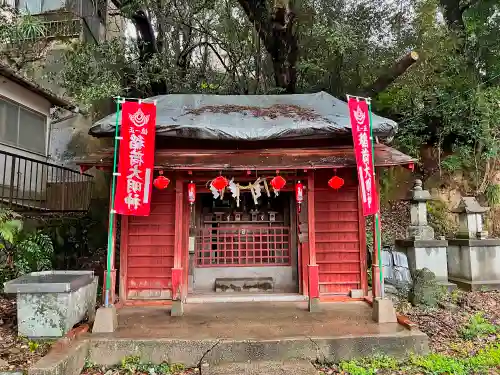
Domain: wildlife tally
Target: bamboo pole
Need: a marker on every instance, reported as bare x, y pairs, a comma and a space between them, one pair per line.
111, 246
376, 218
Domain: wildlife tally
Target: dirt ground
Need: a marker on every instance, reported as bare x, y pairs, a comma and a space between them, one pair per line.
443, 325
16, 353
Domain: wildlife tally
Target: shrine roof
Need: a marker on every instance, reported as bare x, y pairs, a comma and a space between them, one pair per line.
250, 117
268, 159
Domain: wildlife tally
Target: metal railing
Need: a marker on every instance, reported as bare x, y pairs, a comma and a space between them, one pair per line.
243, 246
28, 184
71, 28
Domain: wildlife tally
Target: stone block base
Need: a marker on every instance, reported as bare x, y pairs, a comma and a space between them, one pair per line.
383, 311
357, 293
106, 320
177, 308
450, 287
244, 284
314, 305
478, 285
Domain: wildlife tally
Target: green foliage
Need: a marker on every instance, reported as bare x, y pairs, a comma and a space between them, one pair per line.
21, 251
492, 194
33, 346
478, 326
483, 362
78, 240
22, 37
34, 252
17, 29
133, 365
439, 364
439, 219
485, 359
449, 99
369, 366
105, 70
10, 226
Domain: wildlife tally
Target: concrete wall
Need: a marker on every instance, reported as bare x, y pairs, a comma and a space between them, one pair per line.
204, 278
430, 254
474, 264
459, 265
432, 258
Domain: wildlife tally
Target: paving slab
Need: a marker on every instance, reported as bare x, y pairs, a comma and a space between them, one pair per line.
251, 320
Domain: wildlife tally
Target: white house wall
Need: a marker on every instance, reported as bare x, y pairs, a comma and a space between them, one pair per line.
30, 177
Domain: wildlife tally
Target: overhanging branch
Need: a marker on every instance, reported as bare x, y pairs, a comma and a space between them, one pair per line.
391, 74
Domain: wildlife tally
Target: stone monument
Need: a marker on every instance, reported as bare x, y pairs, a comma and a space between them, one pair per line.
420, 246
473, 259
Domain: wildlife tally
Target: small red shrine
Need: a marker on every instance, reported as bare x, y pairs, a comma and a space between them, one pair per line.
253, 196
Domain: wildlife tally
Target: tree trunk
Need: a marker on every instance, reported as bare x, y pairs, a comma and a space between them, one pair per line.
277, 32
453, 14
391, 74
146, 41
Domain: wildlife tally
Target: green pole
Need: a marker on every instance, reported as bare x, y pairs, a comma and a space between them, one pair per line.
112, 208
377, 234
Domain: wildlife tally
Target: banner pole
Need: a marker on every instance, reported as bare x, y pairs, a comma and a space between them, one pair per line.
376, 217
112, 208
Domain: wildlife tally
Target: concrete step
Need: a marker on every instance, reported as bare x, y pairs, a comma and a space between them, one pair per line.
108, 350
298, 367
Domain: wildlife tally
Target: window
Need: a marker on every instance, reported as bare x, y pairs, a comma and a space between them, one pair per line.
40, 6
22, 128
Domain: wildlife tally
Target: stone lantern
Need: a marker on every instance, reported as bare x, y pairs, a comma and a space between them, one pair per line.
420, 246
419, 228
473, 259
470, 218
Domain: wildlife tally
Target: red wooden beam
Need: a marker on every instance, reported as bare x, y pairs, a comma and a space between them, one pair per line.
313, 268
123, 258
178, 244
185, 248
362, 245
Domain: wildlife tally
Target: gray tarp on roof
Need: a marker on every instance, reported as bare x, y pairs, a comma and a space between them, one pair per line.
250, 117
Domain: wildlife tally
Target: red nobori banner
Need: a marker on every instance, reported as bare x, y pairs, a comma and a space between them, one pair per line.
360, 124
136, 159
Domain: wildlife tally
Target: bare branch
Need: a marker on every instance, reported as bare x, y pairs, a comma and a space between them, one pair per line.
188, 51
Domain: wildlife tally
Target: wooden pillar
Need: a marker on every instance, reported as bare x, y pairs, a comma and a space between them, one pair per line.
362, 245
112, 291
179, 242
313, 269
303, 242
123, 258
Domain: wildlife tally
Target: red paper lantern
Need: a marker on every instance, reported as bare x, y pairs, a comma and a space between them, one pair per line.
299, 194
220, 183
278, 183
191, 193
336, 182
161, 182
